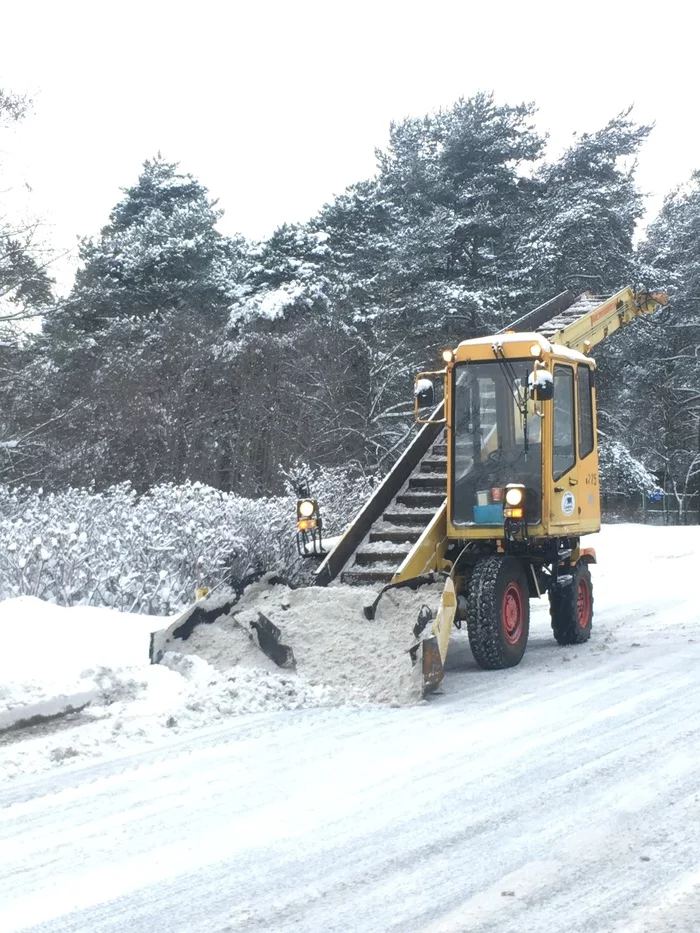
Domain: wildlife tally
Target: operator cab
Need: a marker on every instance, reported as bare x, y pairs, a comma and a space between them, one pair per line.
497, 441
520, 422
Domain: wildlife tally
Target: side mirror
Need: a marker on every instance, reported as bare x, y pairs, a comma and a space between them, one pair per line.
540, 384
424, 393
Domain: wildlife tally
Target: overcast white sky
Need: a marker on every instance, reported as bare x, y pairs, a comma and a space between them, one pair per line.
275, 106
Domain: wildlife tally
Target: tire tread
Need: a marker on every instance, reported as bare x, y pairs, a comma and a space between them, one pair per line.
483, 616
563, 610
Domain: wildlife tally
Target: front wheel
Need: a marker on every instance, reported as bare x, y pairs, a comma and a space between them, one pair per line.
498, 612
571, 608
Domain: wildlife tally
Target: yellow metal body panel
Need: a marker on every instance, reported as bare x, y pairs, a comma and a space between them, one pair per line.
433, 649
571, 503
588, 509
442, 626
618, 311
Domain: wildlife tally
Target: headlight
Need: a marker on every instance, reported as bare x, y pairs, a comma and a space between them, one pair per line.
306, 508
514, 495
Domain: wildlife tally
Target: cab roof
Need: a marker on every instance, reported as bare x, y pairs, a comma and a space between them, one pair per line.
555, 349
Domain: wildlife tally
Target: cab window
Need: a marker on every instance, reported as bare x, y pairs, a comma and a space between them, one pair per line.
585, 411
564, 454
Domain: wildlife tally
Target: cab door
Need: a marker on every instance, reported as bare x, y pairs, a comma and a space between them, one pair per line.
563, 482
589, 490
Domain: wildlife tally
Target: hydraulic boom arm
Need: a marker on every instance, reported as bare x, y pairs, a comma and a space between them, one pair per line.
603, 317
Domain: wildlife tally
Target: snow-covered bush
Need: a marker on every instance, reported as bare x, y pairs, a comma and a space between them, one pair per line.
147, 553
136, 553
620, 471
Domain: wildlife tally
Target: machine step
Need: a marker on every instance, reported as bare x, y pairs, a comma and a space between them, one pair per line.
428, 481
409, 517
434, 465
395, 534
366, 576
377, 555
422, 500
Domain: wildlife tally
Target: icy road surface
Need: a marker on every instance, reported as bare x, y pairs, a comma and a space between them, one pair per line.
562, 796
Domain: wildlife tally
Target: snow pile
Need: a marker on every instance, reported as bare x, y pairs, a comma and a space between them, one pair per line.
25, 702
150, 705
39, 637
76, 683
132, 706
334, 645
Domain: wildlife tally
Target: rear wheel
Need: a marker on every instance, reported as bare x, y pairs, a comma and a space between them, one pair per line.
571, 608
498, 612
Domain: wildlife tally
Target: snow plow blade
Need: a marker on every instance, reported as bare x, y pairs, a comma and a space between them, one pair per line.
213, 608
428, 654
428, 657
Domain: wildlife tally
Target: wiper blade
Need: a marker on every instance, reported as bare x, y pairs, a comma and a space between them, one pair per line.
512, 380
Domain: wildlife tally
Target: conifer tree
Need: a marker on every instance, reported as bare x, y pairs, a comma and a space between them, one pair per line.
458, 179
652, 373
160, 252
588, 206
25, 286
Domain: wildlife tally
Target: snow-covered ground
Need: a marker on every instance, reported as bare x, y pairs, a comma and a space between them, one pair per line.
56, 659
558, 796
77, 684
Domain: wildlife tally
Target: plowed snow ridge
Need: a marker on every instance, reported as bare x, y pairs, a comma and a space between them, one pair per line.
334, 645
60, 661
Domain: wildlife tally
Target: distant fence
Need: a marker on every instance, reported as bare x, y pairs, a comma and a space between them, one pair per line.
636, 507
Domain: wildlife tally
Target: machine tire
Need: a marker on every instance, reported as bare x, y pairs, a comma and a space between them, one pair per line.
498, 612
571, 608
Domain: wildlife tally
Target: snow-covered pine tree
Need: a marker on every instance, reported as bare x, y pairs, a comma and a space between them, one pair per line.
458, 180
581, 235
160, 252
288, 274
655, 365
133, 353
25, 286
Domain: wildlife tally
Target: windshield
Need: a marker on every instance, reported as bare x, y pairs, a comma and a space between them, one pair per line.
497, 440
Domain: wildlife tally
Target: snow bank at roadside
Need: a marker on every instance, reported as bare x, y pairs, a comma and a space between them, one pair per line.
40, 638
94, 661
52, 657
26, 702
219, 673
134, 707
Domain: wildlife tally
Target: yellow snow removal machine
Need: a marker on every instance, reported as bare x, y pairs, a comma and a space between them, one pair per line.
498, 487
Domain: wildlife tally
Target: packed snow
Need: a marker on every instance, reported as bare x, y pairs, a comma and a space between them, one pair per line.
56, 660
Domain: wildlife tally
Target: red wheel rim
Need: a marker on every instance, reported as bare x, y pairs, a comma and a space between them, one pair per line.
583, 604
512, 613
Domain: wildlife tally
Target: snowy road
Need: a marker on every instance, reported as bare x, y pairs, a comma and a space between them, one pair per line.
560, 796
